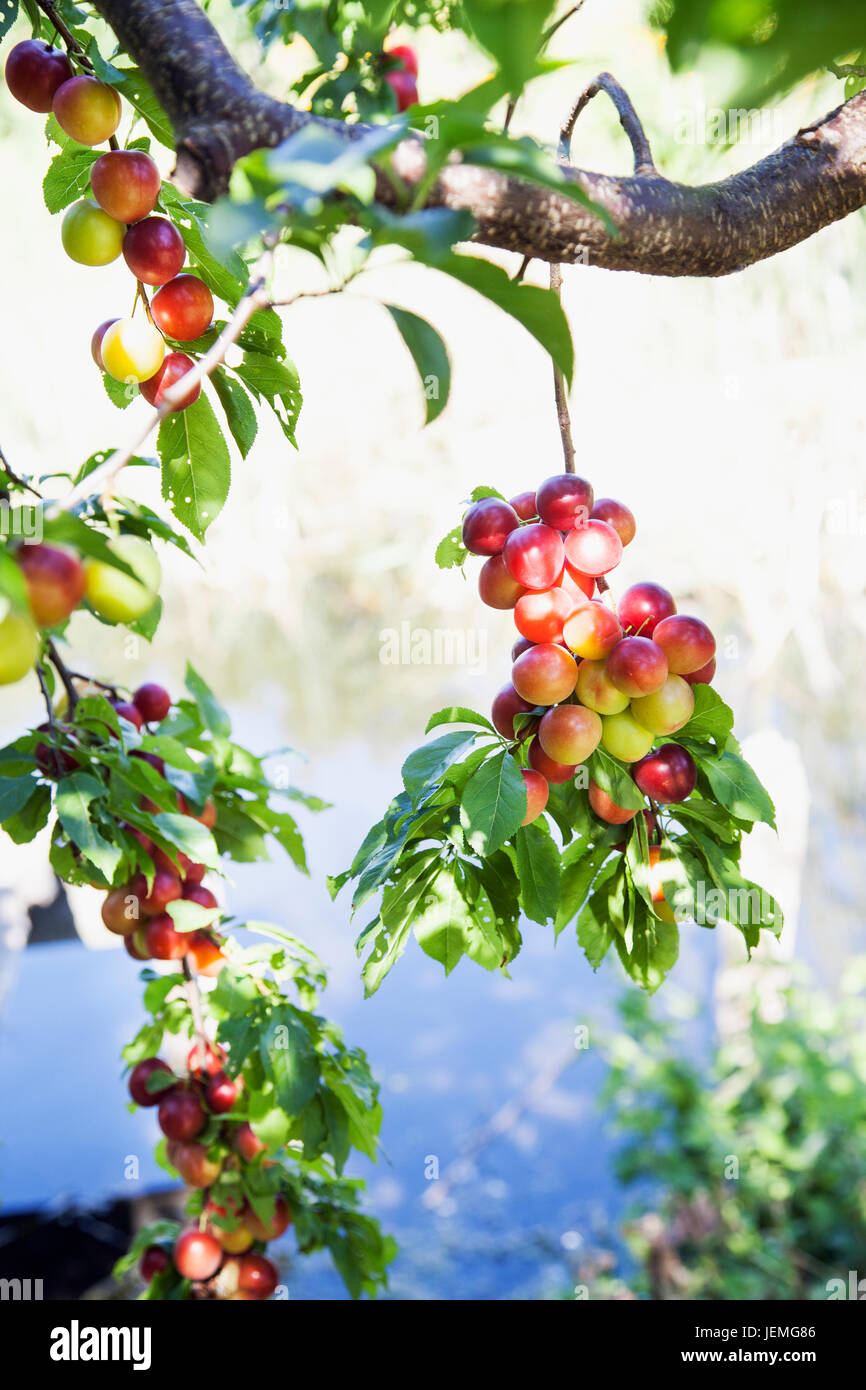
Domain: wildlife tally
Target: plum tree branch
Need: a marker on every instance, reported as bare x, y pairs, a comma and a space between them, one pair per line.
663, 227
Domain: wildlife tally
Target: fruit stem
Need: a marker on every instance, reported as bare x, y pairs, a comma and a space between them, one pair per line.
61, 28
559, 391
193, 997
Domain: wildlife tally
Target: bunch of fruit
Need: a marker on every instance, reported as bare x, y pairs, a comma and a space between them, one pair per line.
402, 75
223, 1254
586, 672
117, 220
137, 910
57, 580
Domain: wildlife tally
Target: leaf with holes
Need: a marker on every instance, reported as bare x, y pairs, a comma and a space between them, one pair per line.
196, 470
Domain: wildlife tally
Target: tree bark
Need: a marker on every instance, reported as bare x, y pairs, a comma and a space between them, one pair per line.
663, 228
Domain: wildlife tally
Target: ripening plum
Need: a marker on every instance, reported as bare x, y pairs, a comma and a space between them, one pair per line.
550, 769
540, 616
132, 350
643, 606
545, 674
667, 709
183, 308
687, 643
181, 1115
126, 184
617, 515
55, 581
592, 631
505, 706
569, 733
524, 505
534, 556
87, 109
668, 774
625, 738
537, 792
606, 808
197, 1255
154, 250
593, 547
703, 676
563, 501
174, 366
138, 1077
117, 596
487, 525
636, 666
496, 588
89, 235
34, 71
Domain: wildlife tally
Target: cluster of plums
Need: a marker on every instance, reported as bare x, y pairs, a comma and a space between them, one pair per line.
220, 1250
136, 911
585, 673
402, 75
117, 220
57, 580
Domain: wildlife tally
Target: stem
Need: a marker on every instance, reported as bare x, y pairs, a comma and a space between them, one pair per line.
64, 674
559, 391
14, 478
193, 996
628, 119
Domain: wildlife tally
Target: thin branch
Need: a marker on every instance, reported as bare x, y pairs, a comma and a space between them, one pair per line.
559, 389
193, 998
65, 675
545, 40
14, 478
644, 164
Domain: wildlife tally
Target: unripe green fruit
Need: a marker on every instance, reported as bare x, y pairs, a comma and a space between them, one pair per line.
19, 646
625, 738
116, 596
89, 235
132, 349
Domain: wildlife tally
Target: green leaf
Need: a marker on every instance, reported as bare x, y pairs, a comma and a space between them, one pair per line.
614, 778
655, 947
511, 31
289, 1058
538, 868
443, 920
493, 804
457, 714
74, 797
196, 470
581, 865
68, 176
131, 85
710, 719
736, 786
213, 716
239, 410
8, 16
601, 919
430, 356
275, 382
425, 766
451, 553
539, 310
15, 792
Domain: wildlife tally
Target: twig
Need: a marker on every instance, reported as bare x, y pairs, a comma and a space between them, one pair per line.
628, 119
561, 395
14, 478
193, 998
103, 685
66, 677
545, 40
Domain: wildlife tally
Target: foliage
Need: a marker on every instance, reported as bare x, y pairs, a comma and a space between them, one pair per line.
756, 1157
777, 42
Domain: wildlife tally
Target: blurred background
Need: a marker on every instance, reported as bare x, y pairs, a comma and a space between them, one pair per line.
729, 415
